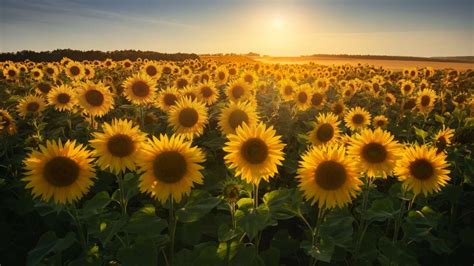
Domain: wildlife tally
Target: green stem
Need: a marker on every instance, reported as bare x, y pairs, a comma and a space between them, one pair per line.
315, 231
172, 231
363, 226
123, 200
255, 195
399, 218
80, 230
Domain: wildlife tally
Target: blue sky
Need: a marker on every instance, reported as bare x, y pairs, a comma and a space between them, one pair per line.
276, 27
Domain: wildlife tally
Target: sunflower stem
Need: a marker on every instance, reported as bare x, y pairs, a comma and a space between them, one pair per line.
80, 230
399, 218
172, 229
255, 194
363, 226
142, 117
123, 200
315, 232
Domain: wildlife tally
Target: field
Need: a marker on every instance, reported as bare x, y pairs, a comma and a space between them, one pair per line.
393, 64
231, 160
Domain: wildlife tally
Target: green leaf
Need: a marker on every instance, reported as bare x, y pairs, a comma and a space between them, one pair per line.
394, 254
322, 251
381, 210
145, 223
421, 133
225, 233
247, 256
96, 205
199, 204
227, 250
337, 228
253, 221
282, 203
49, 243
141, 253
439, 119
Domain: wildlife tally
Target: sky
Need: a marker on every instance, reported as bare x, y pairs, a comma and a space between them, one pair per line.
271, 27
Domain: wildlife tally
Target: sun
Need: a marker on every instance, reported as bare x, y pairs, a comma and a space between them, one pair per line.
278, 23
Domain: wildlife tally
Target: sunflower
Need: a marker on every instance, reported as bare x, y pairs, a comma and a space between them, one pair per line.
207, 92
51, 70
357, 118
63, 172
188, 117
389, 98
318, 99
62, 98
235, 114
302, 97
254, 152
75, 70
36, 74
442, 139
89, 72
6, 122
380, 121
31, 104
327, 176
287, 89
238, 90
167, 98
166, 69
422, 169
190, 93
117, 147
326, 130
221, 75
426, 99
139, 89
43, 88
95, 98
170, 167
181, 83
375, 152
127, 64
407, 87
250, 77
338, 108
151, 70
11, 73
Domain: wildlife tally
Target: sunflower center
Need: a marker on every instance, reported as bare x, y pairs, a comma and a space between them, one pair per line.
181, 83
388, 99
87, 71
358, 119
94, 97
421, 169
11, 72
237, 117
338, 109
188, 117
75, 70
206, 92
330, 175
170, 99
63, 98
33, 107
254, 151
151, 71
36, 73
441, 144
248, 78
425, 100
121, 145
61, 171
232, 71
409, 104
374, 153
376, 87
169, 167
166, 70
407, 88
44, 87
302, 97
237, 92
288, 90
380, 123
221, 75
140, 88
325, 132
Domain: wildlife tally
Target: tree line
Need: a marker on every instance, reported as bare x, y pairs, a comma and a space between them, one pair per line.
57, 55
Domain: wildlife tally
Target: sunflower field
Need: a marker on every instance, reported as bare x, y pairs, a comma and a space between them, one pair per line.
199, 162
